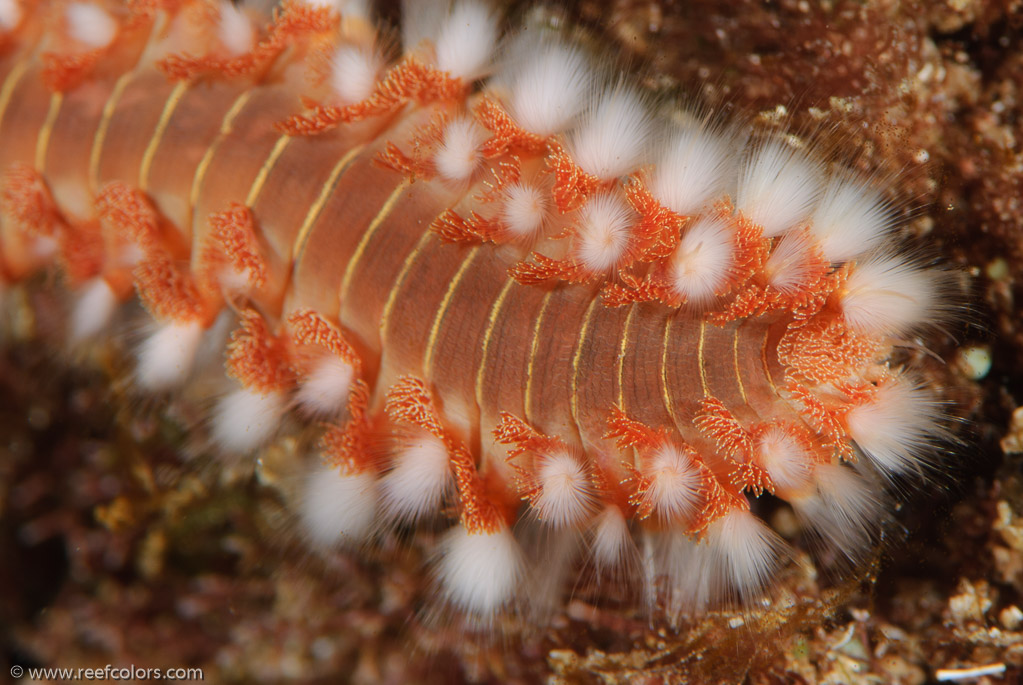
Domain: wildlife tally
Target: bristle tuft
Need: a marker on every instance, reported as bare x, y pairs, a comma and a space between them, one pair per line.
467, 40
324, 390
458, 156
93, 310
612, 546
842, 510
90, 24
747, 553
524, 210
612, 136
784, 457
10, 14
850, 220
778, 187
479, 572
565, 497
701, 265
887, 295
696, 168
246, 419
337, 509
166, 357
897, 426
550, 86
672, 485
354, 73
604, 231
235, 29
419, 480
792, 264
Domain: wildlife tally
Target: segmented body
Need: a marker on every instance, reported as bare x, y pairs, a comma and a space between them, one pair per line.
597, 393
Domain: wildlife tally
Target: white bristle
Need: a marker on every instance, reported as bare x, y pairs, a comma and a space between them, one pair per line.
675, 482
361, 9
235, 30
887, 295
419, 480
612, 136
166, 357
778, 187
93, 310
733, 561
684, 569
897, 427
696, 169
550, 87
348, 8
524, 210
235, 281
604, 231
791, 262
329, 4
458, 155
337, 509
612, 546
746, 552
210, 354
10, 14
421, 20
43, 247
128, 255
90, 24
324, 390
551, 558
842, 509
786, 461
467, 39
566, 497
245, 419
702, 263
850, 220
354, 73
479, 572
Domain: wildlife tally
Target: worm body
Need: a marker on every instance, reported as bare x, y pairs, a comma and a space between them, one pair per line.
504, 284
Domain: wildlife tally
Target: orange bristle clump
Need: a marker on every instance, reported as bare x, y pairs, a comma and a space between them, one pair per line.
130, 215
63, 72
409, 403
409, 81
256, 358
295, 23
309, 328
232, 244
168, 291
347, 446
26, 202
508, 137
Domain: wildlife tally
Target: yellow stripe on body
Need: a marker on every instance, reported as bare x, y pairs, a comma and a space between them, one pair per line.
321, 200
442, 309
46, 131
488, 333
161, 127
360, 249
534, 346
573, 400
